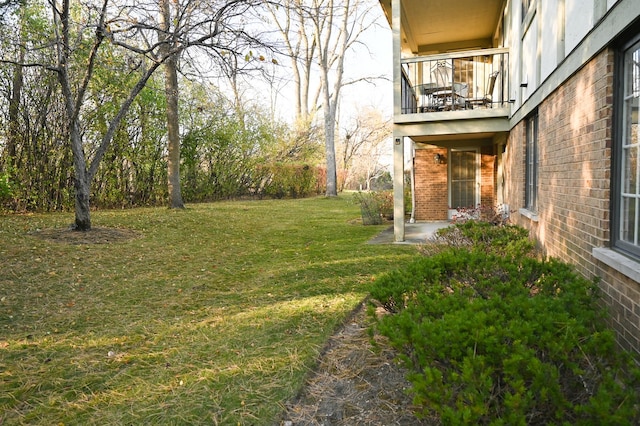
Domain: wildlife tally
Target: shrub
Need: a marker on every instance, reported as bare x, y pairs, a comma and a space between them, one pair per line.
374, 205
496, 215
504, 240
6, 191
385, 198
289, 180
5, 186
494, 339
371, 205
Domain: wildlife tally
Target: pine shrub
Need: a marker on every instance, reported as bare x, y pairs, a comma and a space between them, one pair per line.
494, 335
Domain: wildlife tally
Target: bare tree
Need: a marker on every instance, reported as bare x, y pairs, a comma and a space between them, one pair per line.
80, 33
362, 148
317, 35
297, 31
20, 23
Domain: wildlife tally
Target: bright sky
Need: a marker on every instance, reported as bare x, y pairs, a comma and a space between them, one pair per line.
370, 58
373, 59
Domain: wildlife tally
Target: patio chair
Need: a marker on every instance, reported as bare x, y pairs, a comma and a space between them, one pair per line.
447, 94
486, 99
442, 73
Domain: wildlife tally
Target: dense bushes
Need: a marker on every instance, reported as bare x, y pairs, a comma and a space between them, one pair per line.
226, 152
291, 180
494, 335
5, 188
374, 205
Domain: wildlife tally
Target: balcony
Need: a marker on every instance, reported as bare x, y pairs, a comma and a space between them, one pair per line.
461, 81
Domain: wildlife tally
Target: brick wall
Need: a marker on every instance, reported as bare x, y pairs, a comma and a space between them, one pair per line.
431, 185
432, 197
574, 142
487, 177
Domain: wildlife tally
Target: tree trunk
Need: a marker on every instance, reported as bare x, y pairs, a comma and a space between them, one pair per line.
14, 110
83, 215
173, 123
81, 181
173, 126
330, 150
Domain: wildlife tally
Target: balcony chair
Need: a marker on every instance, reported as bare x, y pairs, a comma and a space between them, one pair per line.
446, 94
486, 99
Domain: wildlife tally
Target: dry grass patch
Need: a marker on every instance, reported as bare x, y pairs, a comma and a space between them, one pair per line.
212, 315
96, 235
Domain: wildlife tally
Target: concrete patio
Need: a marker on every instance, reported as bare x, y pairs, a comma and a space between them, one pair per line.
414, 233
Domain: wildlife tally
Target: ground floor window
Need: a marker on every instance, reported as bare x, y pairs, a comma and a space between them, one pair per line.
627, 216
531, 164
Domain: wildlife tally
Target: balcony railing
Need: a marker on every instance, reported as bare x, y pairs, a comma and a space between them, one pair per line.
459, 81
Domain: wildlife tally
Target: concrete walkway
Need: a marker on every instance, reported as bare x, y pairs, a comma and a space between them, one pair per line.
414, 233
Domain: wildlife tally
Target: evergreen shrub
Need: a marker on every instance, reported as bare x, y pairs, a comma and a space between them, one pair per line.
503, 240
494, 335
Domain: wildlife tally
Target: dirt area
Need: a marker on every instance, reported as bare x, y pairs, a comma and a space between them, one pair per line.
94, 236
355, 383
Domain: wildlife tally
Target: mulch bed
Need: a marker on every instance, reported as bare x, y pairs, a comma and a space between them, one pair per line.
355, 383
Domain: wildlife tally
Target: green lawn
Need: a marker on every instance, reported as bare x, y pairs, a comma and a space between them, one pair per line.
213, 315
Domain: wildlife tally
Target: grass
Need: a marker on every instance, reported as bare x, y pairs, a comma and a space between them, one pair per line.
213, 315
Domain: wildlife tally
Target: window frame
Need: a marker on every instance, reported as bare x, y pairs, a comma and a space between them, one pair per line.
619, 157
531, 169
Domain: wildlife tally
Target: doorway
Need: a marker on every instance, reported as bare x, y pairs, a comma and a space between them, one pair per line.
464, 180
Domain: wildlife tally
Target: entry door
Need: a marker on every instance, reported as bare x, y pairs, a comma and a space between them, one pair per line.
464, 179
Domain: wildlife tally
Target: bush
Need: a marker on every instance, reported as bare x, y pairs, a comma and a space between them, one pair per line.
495, 215
374, 205
5, 186
369, 207
506, 339
6, 191
290, 180
504, 240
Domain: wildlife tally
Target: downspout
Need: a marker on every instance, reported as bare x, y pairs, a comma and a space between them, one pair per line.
413, 185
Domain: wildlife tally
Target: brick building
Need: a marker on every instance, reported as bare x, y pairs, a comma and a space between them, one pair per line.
532, 106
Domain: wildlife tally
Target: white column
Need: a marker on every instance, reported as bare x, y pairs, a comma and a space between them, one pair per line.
398, 141
398, 188
396, 12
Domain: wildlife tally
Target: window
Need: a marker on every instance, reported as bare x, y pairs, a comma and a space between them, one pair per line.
627, 227
531, 164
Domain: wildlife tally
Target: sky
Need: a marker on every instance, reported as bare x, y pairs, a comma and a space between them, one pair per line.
371, 57
375, 59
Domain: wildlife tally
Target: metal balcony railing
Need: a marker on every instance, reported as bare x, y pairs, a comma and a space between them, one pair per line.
457, 81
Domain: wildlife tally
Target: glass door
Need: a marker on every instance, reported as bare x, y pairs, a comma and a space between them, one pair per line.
464, 181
